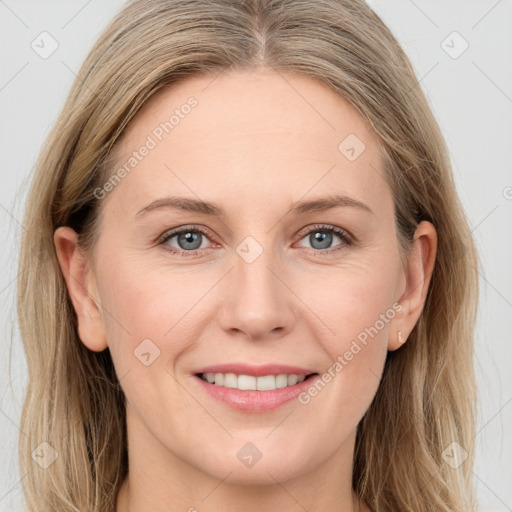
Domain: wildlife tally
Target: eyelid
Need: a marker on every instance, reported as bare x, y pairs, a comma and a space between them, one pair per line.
186, 227
326, 227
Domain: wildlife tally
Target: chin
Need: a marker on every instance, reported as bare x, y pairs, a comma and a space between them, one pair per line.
260, 462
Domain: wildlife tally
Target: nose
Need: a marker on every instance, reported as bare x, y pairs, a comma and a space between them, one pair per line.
256, 301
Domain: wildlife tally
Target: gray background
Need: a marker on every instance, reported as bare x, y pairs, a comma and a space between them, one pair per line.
471, 96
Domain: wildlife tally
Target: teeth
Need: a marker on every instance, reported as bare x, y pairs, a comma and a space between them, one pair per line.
250, 382
266, 383
230, 380
246, 382
281, 381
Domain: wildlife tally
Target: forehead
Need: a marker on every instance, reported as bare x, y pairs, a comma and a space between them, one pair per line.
240, 136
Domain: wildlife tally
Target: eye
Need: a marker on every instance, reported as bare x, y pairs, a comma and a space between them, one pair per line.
321, 237
188, 238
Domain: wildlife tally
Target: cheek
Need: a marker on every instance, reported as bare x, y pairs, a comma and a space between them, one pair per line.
149, 312
148, 300
355, 302
358, 310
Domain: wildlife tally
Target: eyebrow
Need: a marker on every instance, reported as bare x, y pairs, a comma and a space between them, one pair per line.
208, 208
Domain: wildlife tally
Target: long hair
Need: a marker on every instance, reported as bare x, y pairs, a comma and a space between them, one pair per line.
426, 398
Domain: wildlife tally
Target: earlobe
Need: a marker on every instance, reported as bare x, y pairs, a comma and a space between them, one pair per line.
396, 338
81, 288
418, 273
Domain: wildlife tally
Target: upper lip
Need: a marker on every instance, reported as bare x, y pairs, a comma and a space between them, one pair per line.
255, 370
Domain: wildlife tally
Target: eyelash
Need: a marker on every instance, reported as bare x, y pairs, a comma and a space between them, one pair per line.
345, 237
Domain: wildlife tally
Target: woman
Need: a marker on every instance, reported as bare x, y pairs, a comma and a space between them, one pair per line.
256, 286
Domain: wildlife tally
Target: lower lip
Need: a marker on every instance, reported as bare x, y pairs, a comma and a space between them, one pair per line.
253, 400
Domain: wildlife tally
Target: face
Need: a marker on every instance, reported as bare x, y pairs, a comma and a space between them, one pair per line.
256, 288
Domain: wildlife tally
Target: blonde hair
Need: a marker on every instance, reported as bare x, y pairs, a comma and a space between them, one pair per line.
426, 399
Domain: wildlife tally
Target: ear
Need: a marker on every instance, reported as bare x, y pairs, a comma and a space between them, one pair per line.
82, 289
418, 271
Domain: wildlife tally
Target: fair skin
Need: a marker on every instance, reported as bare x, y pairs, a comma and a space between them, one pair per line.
253, 146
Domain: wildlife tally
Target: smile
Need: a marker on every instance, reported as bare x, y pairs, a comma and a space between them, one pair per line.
251, 382
249, 388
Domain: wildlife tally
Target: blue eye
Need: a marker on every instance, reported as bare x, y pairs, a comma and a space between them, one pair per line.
190, 240
322, 236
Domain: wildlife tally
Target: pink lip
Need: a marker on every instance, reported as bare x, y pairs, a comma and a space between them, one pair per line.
254, 400
256, 371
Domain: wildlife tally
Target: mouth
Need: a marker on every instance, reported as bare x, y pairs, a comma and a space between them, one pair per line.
253, 388
245, 382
